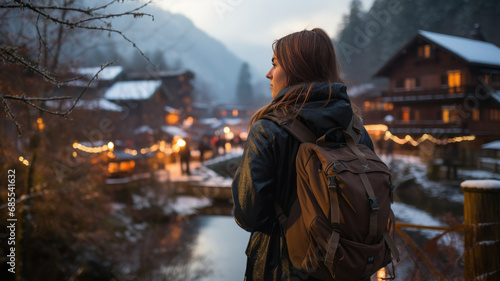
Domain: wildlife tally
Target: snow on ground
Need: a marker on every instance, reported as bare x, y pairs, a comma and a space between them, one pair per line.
133, 232
412, 215
186, 205
478, 174
408, 167
211, 178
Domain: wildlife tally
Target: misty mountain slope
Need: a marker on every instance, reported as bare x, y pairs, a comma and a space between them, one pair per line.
182, 44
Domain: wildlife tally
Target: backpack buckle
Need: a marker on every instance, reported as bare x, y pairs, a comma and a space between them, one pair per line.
373, 205
332, 183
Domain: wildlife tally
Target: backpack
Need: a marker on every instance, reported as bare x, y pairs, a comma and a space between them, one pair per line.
338, 228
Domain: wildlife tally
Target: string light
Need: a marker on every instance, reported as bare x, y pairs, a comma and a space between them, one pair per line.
24, 161
95, 149
158, 146
424, 137
131, 151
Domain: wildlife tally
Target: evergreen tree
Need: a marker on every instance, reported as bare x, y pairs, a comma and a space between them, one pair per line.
158, 59
244, 92
351, 45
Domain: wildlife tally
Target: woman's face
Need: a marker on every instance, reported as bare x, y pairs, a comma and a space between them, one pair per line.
278, 77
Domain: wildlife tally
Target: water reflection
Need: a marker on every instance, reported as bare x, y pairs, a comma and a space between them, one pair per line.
223, 242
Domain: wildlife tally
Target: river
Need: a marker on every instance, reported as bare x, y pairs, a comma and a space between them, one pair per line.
223, 243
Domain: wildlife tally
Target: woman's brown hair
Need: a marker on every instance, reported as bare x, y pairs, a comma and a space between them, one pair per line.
306, 57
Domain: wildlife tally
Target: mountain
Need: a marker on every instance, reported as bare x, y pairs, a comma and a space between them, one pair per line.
180, 42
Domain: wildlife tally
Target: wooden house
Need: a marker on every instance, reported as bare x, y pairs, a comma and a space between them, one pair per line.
143, 103
177, 86
441, 87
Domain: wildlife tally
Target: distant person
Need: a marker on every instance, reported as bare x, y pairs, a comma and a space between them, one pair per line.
450, 161
221, 145
185, 154
305, 84
203, 147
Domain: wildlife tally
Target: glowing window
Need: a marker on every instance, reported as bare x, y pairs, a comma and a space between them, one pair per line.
475, 115
486, 78
449, 114
424, 51
388, 106
446, 115
410, 84
113, 167
495, 115
427, 51
367, 105
172, 119
405, 114
454, 80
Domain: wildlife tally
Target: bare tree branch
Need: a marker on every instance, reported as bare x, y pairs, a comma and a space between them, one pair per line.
77, 24
29, 100
9, 54
89, 18
25, 98
88, 85
88, 11
7, 110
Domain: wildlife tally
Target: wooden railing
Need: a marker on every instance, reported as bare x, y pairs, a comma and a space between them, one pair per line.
481, 235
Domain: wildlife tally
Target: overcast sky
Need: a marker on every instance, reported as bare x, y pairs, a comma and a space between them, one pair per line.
248, 27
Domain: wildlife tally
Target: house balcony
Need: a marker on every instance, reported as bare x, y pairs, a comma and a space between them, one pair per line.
438, 127
424, 95
434, 127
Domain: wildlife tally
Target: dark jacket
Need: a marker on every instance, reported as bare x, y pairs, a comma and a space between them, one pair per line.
267, 173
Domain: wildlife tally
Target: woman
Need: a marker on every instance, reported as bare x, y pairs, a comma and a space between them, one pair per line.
305, 84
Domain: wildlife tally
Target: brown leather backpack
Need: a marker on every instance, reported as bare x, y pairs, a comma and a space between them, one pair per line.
338, 228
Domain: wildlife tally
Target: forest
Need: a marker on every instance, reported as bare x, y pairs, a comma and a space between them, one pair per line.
369, 38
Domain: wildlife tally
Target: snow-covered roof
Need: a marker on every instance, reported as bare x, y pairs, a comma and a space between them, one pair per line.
492, 145
174, 131
496, 96
172, 110
108, 73
132, 90
143, 129
100, 104
472, 51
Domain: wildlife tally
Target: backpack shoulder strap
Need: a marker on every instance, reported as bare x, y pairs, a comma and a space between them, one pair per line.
355, 128
303, 134
296, 128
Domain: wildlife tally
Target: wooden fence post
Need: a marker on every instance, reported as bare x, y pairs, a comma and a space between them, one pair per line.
482, 229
